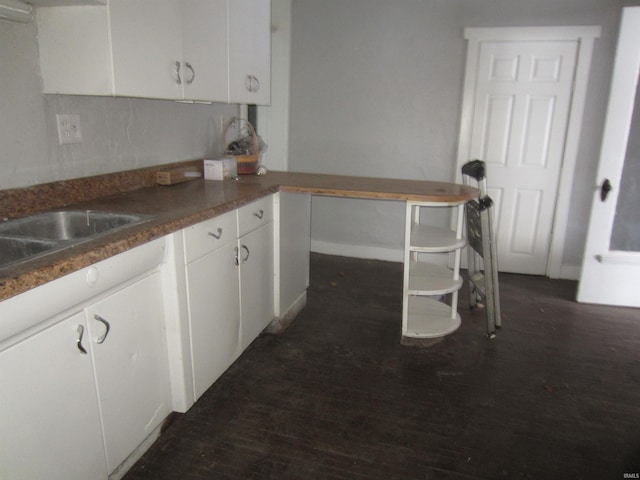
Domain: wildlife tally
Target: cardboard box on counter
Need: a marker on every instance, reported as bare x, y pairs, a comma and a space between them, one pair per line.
178, 175
220, 169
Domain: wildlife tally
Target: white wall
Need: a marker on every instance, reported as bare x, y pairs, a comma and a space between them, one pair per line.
119, 133
376, 90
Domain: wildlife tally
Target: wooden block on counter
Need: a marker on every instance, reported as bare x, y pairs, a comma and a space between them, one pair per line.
178, 175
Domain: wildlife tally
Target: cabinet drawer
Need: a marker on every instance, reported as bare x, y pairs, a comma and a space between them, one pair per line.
255, 215
209, 235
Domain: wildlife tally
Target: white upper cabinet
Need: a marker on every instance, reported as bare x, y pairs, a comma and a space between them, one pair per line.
204, 39
250, 51
146, 45
75, 52
203, 50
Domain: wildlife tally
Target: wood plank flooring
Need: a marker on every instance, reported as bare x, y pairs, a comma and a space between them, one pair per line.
555, 396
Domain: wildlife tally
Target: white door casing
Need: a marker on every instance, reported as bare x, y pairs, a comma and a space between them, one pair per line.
609, 276
523, 102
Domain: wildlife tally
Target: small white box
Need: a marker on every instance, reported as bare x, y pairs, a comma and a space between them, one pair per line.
220, 169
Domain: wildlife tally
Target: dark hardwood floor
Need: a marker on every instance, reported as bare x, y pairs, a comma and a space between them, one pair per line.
556, 395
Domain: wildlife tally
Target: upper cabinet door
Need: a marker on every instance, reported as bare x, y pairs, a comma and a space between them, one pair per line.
204, 38
250, 51
146, 38
75, 51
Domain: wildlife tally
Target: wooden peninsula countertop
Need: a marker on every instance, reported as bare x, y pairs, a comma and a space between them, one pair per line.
178, 206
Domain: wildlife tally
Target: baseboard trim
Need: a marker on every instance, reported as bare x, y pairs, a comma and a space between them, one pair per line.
570, 272
125, 466
357, 251
279, 324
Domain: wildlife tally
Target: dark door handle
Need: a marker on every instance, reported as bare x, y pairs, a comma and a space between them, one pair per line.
605, 189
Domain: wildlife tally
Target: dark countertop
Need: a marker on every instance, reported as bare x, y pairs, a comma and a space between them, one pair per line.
179, 206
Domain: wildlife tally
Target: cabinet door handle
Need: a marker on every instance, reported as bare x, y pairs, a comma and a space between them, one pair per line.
251, 83
259, 214
216, 235
178, 79
193, 73
80, 331
245, 248
103, 337
235, 260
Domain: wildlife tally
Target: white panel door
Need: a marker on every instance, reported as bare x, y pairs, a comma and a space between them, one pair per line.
519, 123
610, 275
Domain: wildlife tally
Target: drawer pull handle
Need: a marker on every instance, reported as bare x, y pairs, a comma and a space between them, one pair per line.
216, 235
193, 73
259, 214
80, 331
103, 337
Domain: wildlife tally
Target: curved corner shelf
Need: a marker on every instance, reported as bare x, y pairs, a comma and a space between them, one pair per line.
424, 316
430, 318
431, 279
428, 239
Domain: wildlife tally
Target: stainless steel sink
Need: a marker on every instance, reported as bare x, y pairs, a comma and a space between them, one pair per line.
69, 224
24, 238
14, 249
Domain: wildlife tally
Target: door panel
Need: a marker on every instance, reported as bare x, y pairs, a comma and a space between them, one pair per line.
526, 215
495, 137
536, 137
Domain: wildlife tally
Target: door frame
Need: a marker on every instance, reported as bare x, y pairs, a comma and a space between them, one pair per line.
585, 36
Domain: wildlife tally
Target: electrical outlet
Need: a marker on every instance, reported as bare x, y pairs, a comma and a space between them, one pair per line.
69, 130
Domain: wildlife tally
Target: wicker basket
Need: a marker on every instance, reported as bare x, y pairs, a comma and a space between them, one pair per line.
247, 164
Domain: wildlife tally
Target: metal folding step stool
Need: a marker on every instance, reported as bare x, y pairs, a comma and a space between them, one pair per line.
481, 248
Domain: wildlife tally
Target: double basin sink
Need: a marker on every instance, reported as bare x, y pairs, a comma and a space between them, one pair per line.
26, 238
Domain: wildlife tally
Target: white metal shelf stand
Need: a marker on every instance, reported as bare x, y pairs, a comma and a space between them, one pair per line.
427, 279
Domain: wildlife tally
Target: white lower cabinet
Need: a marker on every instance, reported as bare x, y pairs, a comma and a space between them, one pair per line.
256, 282
49, 416
229, 272
81, 395
256, 262
214, 311
131, 365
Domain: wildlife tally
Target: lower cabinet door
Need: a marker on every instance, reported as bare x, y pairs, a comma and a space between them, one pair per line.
214, 314
255, 253
131, 365
49, 417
